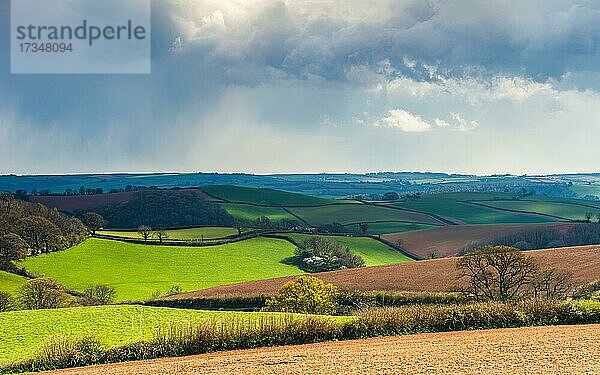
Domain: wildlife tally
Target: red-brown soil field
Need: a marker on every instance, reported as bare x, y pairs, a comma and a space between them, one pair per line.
82, 202
532, 350
449, 240
438, 275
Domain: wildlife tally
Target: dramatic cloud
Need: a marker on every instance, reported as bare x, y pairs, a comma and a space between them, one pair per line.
312, 86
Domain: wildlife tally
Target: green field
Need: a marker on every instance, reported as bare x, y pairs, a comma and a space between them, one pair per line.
10, 282
354, 213
387, 227
267, 197
450, 207
564, 210
137, 271
249, 212
181, 234
21, 332
372, 251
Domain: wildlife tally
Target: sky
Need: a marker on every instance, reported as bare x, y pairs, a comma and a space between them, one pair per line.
268, 86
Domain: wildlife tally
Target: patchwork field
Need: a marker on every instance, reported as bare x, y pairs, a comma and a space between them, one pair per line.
452, 207
562, 210
355, 213
249, 212
386, 227
21, 332
10, 282
138, 271
181, 234
372, 251
532, 350
438, 275
267, 197
449, 240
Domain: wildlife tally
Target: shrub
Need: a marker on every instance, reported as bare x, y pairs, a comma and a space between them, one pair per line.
7, 302
43, 293
307, 295
64, 351
98, 295
318, 254
588, 291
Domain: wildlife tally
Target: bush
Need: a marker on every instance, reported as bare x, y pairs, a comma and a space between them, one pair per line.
98, 295
588, 291
307, 295
318, 254
43, 293
7, 302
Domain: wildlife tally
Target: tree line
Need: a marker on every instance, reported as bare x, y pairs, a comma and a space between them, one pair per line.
544, 238
163, 209
31, 228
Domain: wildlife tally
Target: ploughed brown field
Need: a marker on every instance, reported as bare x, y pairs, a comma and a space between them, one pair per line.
450, 240
73, 203
438, 275
532, 350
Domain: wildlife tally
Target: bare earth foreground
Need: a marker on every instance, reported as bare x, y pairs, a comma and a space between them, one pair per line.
537, 350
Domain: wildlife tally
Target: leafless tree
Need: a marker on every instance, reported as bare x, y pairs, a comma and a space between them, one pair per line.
497, 272
551, 284
145, 232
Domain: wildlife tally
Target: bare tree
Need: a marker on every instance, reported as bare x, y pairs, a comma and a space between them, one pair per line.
160, 235
240, 226
497, 272
145, 232
551, 284
41, 234
42, 293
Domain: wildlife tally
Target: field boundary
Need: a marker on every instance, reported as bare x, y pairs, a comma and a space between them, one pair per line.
477, 203
444, 221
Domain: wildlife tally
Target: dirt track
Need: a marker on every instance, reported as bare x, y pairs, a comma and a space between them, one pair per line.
437, 275
541, 350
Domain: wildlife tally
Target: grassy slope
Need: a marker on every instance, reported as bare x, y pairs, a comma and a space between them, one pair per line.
372, 251
565, 210
263, 196
247, 212
346, 214
182, 234
136, 271
393, 227
10, 282
21, 332
450, 207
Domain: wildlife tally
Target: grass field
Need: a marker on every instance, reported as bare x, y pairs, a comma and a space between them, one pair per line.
137, 271
438, 275
372, 251
564, 210
248, 212
267, 197
354, 213
450, 207
386, 227
21, 332
181, 234
10, 282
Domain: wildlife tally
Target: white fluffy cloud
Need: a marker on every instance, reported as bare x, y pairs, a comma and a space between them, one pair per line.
405, 121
